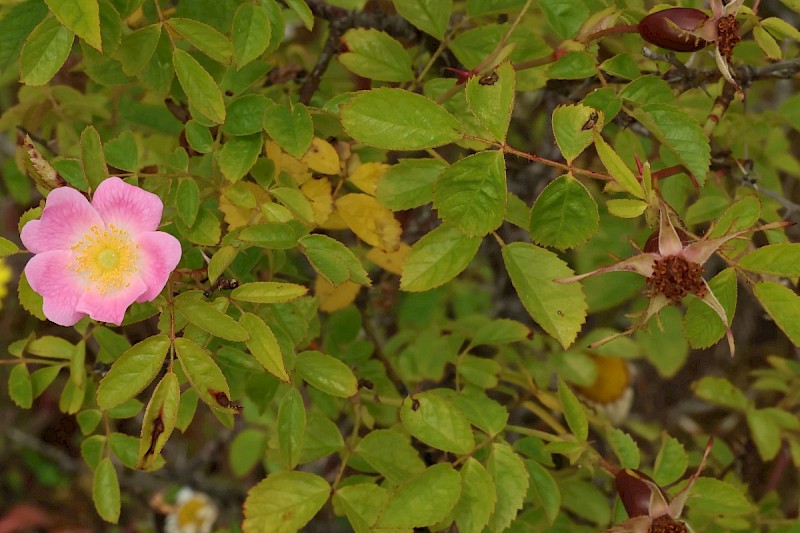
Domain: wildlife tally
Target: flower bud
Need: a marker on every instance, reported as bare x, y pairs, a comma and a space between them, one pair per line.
635, 489
670, 29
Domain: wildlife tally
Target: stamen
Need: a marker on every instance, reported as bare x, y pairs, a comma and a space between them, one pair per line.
675, 277
106, 258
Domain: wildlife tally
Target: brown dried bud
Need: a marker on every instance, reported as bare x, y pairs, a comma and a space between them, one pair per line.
670, 29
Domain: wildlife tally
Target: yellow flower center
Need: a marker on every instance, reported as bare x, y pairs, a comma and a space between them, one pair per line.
107, 258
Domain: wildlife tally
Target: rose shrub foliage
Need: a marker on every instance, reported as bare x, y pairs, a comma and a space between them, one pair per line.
385, 209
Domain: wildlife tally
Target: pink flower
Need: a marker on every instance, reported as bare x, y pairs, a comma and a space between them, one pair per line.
98, 258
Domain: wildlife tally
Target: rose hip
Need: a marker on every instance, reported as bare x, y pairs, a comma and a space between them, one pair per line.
670, 29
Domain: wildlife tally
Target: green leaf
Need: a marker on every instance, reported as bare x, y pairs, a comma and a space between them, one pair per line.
246, 450
296, 202
702, 325
409, 183
395, 119
718, 498
205, 38
617, 168
376, 55
333, 260
303, 11
361, 503
263, 345
322, 438
7, 247
159, 420
741, 214
624, 447
544, 489
511, 483
422, 501
82, 17
251, 34
500, 331
471, 193
767, 43
238, 155
199, 137
246, 114
220, 261
88, 420
105, 491
92, 450
187, 200
132, 372
204, 375
205, 231
437, 258
560, 309
20, 387
720, 391
766, 433
680, 134
208, 318
290, 127
42, 378
573, 66
481, 411
566, 16
201, 89
274, 235
781, 28
16, 24
430, 16
783, 305
121, 152
93, 160
491, 99
291, 427
564, 214
44, 52
284, 502
782, 259
574, 128
478, 498
648, 90
626, 207
137, 49
389, 451
574, 412
665, 345
671, 461
482, 7
436, 421
268, 292
326, 373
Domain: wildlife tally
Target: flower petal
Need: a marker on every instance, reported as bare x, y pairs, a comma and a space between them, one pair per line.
641, 264
677, 503
160, 253
710, 300
66, 218
48, 274
669, 243
700, 251
127, 207
110, 306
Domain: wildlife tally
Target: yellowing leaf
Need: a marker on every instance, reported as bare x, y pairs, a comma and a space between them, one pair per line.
390, 261
367, 176
322, 157
295, 168
237, 216
319, 193
335, 221
334, 298
370, 221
